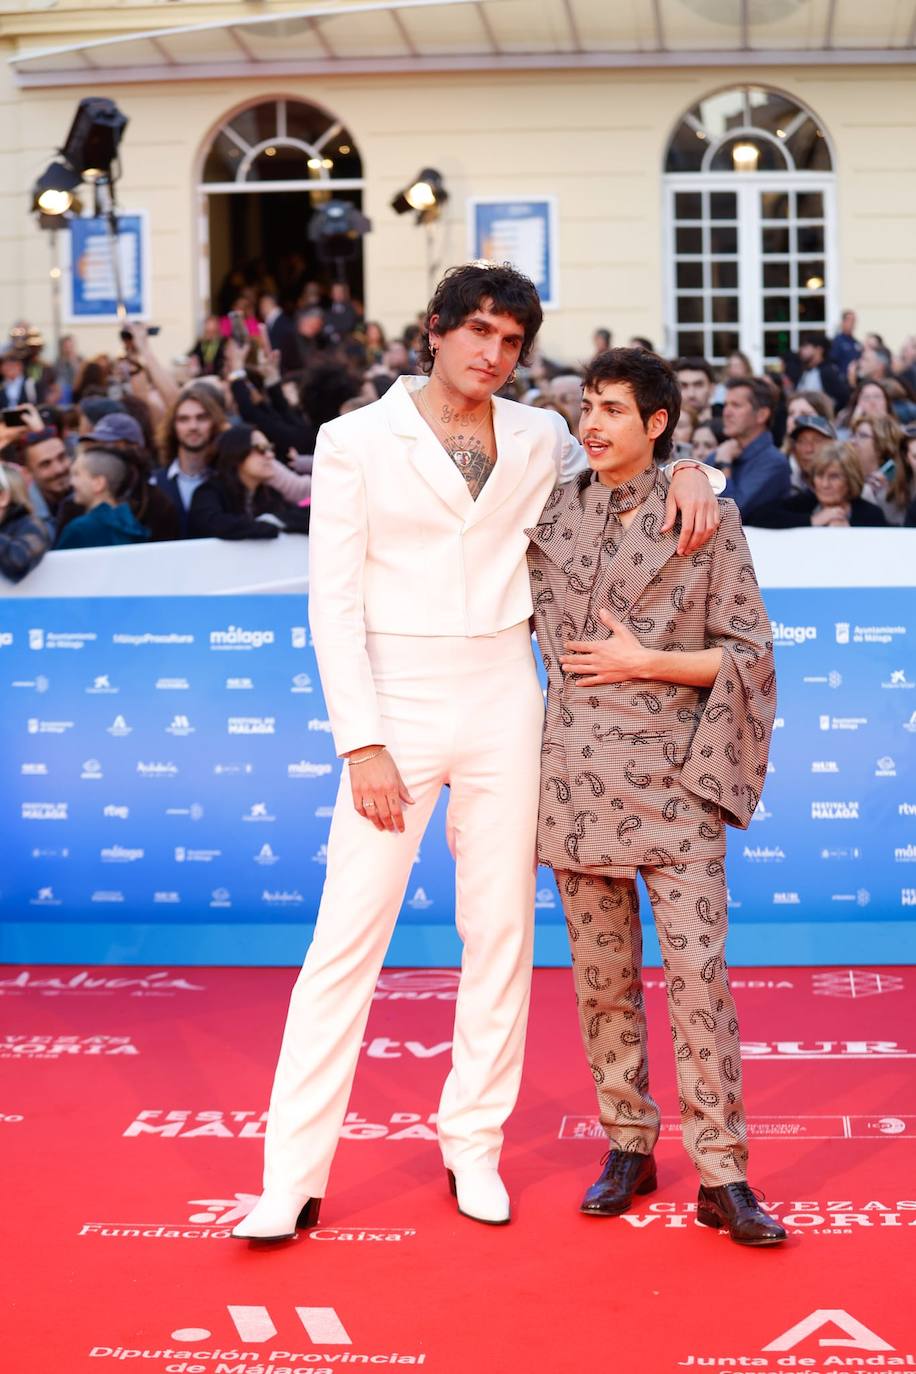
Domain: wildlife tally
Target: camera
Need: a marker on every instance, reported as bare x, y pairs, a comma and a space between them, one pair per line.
239, 328
14, 417
127, 333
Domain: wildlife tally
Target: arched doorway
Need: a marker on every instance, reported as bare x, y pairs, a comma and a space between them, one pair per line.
266, 170
750, 227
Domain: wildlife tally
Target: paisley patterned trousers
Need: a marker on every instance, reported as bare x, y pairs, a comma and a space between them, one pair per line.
691, 917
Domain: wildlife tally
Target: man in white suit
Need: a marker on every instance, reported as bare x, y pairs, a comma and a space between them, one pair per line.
419, 607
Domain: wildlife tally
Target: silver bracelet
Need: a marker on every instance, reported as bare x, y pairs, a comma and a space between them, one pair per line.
354, 763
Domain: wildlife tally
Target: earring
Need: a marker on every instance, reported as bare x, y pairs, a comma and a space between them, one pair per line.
512, 377
433, 351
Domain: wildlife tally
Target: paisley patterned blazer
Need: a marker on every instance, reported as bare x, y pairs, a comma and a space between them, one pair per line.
645, 773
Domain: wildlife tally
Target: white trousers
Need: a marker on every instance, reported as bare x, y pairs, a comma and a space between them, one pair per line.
467, 712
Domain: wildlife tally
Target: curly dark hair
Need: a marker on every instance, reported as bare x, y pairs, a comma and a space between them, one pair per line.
498, 287
652, 382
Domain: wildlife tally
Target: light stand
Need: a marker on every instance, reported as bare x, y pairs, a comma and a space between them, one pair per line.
426, 197
105, 209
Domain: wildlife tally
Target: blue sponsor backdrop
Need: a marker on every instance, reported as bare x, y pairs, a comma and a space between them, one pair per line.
169, 777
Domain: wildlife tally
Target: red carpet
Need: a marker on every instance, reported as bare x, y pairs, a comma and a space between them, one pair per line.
130, 1129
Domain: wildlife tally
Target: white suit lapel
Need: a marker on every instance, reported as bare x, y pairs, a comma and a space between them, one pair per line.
513, 450
424, 452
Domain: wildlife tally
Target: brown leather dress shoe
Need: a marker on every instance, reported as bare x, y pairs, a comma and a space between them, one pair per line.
735, 1206
624, 1174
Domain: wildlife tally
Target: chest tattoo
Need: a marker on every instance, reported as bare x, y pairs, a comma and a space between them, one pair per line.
474, 461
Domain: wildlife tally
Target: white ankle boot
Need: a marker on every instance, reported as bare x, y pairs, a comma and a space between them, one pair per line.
277, 1216
480, 1193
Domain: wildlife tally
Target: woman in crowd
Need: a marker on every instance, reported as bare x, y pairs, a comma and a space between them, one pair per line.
869, 398
684, 429
237, 500
704, 443
374, 341
835, 499
23, 540
878, 440
908, 456
810, 403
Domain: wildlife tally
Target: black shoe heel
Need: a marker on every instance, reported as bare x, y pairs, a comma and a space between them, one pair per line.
649, 1186
308, 1217
452, 1185
707, 1218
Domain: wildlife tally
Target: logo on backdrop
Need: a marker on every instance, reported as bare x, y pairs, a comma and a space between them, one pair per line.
856, 1336
101, 686
44, 811
793, 634
180, 726
251, 725
851, 983
834, 810
55, 1046
867, 634
305, 769
824, 1329
184, 1124
258, 812
236, 637
172, 684
159, 983
213, 1219
417, 985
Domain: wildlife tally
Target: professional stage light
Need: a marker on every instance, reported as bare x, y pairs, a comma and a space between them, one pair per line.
425, 196
92, 144
52, 193
336, 230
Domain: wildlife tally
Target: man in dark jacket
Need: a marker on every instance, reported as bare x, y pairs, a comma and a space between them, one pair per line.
809, 370
756, 470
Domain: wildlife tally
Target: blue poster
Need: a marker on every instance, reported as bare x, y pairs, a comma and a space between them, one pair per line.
522, 232
169, 779
91, 278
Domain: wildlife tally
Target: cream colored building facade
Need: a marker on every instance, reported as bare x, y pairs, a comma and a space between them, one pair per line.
576, 100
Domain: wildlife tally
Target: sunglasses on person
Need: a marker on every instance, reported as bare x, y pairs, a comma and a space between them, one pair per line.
262, 448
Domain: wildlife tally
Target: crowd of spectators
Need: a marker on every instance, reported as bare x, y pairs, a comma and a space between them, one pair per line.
121, 449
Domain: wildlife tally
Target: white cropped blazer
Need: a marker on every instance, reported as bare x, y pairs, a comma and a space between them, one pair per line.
398, 546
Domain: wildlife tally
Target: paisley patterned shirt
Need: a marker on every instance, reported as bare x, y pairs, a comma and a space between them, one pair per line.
646, 773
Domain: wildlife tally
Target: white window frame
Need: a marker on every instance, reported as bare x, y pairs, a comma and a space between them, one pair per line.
747, 186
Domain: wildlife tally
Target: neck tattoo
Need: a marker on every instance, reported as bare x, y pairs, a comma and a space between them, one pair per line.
467, 448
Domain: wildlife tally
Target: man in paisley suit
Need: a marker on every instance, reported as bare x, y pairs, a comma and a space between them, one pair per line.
660, 706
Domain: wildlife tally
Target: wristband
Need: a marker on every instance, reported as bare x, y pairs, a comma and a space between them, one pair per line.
354, 763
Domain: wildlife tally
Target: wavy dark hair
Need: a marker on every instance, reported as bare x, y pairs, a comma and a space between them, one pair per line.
498, 287
652, 382
232, 448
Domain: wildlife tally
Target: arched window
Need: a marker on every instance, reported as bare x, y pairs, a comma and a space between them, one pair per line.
282, 140
264, 172
749, 190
